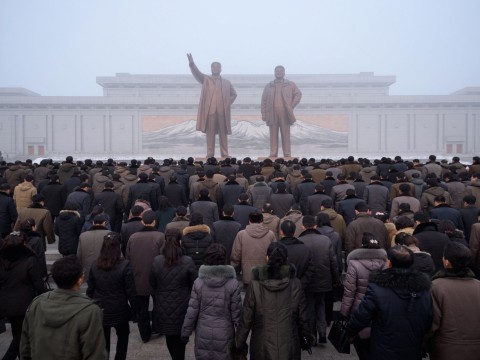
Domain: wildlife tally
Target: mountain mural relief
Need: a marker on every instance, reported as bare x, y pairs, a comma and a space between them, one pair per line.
248, 137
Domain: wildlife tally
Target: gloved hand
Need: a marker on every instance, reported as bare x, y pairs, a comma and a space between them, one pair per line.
184, 339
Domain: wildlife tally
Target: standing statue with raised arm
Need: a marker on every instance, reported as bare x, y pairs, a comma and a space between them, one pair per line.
279, 98
216, 99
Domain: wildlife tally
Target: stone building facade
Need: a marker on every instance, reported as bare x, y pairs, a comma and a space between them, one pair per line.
153, 115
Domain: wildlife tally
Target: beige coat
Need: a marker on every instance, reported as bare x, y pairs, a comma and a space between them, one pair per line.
455, 317
23, 194
250, 249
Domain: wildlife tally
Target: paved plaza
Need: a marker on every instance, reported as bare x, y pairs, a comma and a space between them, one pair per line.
157, 348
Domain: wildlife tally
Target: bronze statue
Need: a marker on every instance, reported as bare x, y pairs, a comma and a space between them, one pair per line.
279, 98
216, 98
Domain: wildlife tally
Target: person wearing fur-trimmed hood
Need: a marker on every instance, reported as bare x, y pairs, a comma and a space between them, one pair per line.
214, 307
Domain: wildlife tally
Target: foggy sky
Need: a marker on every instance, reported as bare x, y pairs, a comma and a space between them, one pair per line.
58, 47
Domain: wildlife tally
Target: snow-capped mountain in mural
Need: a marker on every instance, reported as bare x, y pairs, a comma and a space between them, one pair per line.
251, 134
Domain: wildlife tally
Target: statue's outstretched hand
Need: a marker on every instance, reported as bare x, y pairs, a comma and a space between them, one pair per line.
190, 58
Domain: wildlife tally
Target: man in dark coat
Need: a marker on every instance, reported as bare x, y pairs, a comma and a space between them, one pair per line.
314, 201
230, 191
112, 204
325, 274
298, 254
55, 196
398, 307
303, 190
281, 201
346, 207
142, 189
72, 182
82, 199
8, 211
429, 238
364, 222
142, 247
469, 213
242, 210
443, 211
377, 196
259, 192
226, 229
176, 193
133, 225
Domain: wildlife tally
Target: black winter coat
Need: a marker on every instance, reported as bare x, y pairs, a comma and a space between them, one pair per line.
224, 232
114, 289
172, 286
195, 240
20, 280
55, 196
325, 269
83, 200
68, 227
8, 213
432, 242
112, 203
398, 305
300, 255
35, 241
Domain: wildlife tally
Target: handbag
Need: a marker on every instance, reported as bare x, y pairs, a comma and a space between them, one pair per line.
338, 337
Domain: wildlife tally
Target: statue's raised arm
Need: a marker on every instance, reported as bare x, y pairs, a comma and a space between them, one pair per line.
197, 74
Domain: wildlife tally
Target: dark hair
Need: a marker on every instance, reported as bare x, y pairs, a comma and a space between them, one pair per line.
277, 257
458, 255
323, 219
400, 256
439, 199
38, 198
163, 203
267, 208
369, 241
421, 217
137, 210
404, 188
403, 222
288, 228
281, 187
361, 207
27, 225
70, 206
204, 194
97, 210
228, 209
181, 211
410, 240
215, 254
400, 238
110, 254
66, 271
149, 217
447, 227
309, 221
99, 219
470, 199
255, 217
172, 250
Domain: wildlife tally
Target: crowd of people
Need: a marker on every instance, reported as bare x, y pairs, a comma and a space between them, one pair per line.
401, 238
